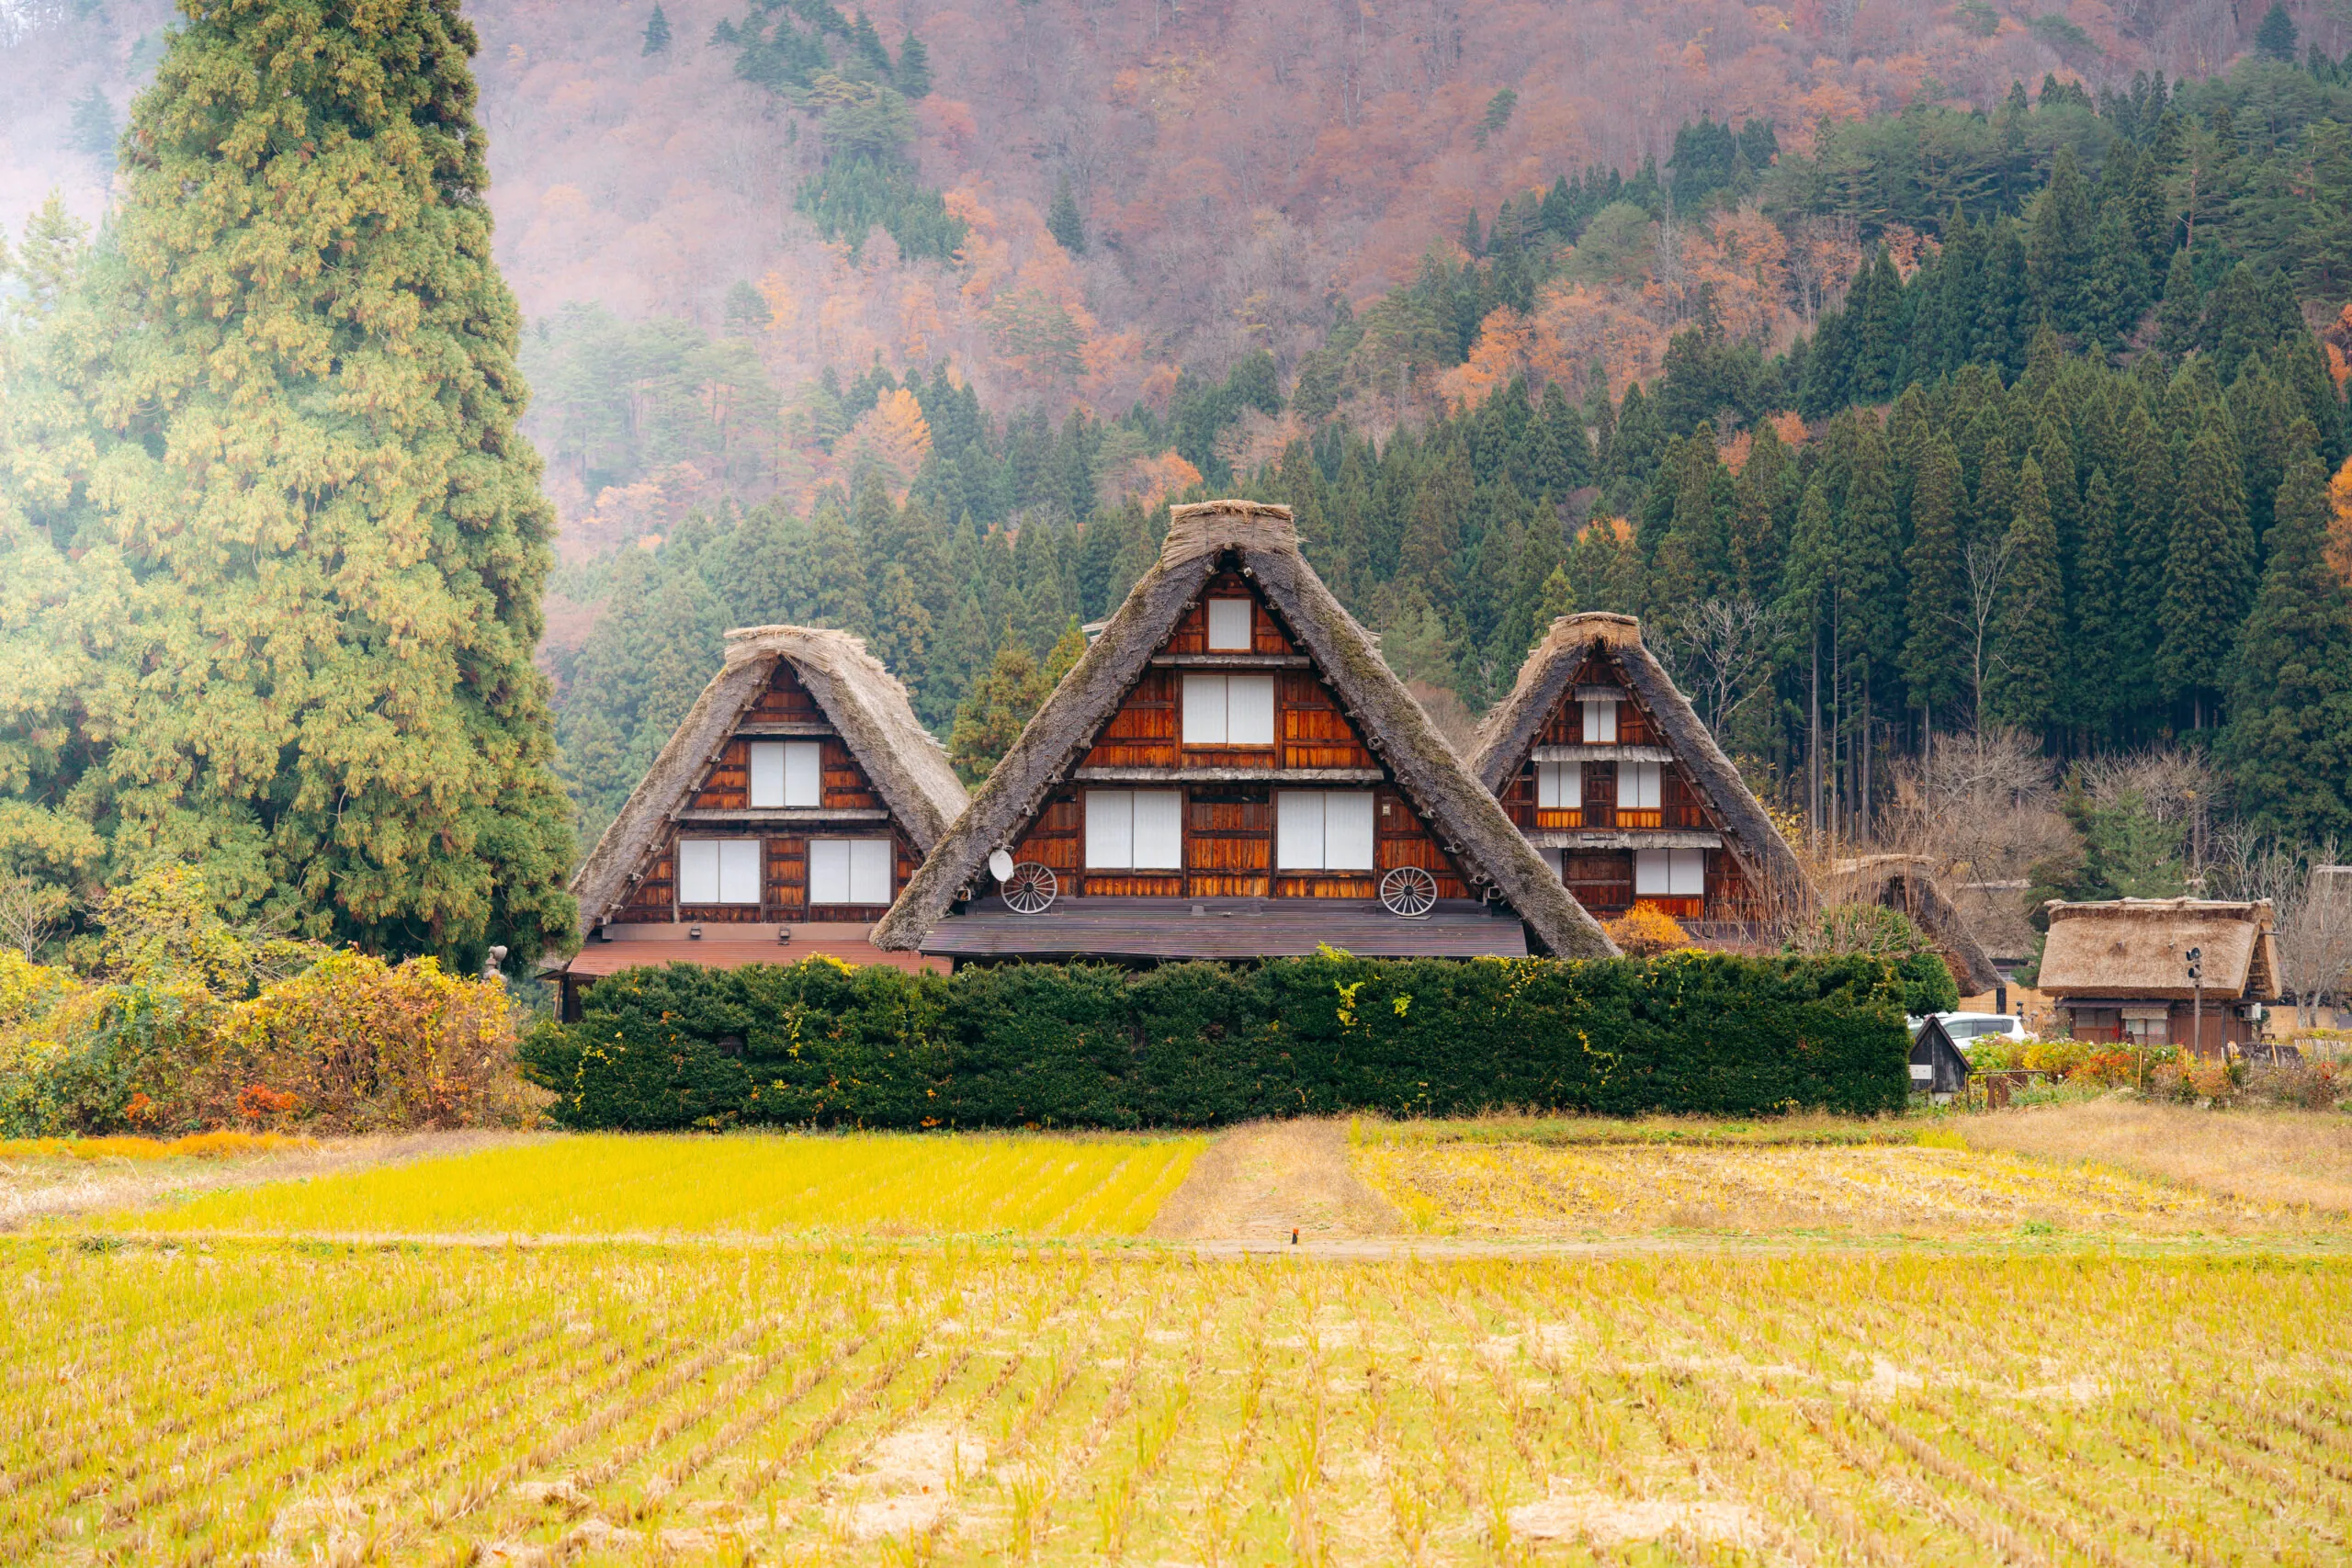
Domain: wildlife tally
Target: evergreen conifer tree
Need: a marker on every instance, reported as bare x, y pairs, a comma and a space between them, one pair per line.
1063, 221
2095, 672
1870, 545
316, 674
914, 68
2178, 312
1935, 657
657, 33
2288, 749
2059, 252
2208, 573
2275, 39
92, 129
998, 707
2029, 634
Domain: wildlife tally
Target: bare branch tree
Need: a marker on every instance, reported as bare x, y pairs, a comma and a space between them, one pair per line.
1985, 564
29, 913
1719, 649
2310, 900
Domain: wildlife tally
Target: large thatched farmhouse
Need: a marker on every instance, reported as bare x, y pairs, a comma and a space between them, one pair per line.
791, 805
1232, 772
1601, 763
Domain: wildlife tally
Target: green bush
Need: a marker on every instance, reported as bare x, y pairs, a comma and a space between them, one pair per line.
1196, 1044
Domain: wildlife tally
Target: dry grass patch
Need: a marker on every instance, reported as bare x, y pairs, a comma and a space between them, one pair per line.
46, 1179
1260, 1180
1522, 1189
2271, 1157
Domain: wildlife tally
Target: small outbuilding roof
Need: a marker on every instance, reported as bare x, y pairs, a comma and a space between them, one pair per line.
1261, 542
2138, 948
1909, 883
863, 701
1511, 727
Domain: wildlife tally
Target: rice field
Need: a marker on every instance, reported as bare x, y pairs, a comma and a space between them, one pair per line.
285, 1401
865, 1184
1493, 1187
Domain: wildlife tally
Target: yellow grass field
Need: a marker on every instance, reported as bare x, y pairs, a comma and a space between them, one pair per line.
739, 1185
1600, 1189
298, 1403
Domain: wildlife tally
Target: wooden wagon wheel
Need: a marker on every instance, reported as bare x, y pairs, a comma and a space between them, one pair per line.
1409, 892
1030, 889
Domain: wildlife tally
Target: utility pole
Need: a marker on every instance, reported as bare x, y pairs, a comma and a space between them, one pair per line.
2197, 999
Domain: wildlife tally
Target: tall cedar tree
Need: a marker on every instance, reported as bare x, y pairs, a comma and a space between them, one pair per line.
2209, 571
2287, 750
1935, 660
335, 530
2029, 635
1063, 220
657, 34
2101, 608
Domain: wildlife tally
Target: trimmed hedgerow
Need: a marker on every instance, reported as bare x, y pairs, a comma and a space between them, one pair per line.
1195, 1045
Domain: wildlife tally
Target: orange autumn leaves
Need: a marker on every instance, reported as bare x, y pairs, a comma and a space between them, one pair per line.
1737, 262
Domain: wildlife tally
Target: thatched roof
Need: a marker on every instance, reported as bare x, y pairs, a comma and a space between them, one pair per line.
2131, 948
1261, 540
863, 701
1909, 883
1511, 727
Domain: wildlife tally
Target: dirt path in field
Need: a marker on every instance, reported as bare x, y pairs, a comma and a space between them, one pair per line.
1258, 1181
50, 1188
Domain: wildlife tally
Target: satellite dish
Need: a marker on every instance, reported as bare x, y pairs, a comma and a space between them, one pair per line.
1001, 865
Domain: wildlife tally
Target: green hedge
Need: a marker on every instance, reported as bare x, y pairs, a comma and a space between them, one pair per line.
1195, 1045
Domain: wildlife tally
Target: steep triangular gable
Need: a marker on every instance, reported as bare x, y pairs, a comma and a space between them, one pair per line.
1089, 722
776, 678
1545, 693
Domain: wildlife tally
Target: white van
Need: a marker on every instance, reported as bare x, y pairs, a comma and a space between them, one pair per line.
1965, 1028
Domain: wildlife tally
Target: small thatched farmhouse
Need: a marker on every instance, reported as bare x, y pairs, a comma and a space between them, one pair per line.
2120, 970
1231, 772
782, 818
1601, 763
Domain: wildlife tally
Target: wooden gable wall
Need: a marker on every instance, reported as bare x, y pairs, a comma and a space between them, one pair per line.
1229, 822
1602, 880
785, 710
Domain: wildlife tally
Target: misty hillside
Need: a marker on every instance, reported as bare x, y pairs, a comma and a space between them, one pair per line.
1234, 166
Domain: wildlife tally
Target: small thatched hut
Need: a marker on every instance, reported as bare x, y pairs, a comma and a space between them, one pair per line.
1603, 765
1909, 883
792, 803
2120, 970
1231, 772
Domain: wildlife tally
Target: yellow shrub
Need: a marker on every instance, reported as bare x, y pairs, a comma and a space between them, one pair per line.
26, 988
1645, 931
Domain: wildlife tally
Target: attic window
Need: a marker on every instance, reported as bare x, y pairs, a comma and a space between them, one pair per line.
1228, 625
1318, 829
1600, 722
1559, 786
1134, 829
786, 774
1669, 873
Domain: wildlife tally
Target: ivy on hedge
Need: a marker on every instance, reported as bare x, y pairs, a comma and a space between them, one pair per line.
1195, 1045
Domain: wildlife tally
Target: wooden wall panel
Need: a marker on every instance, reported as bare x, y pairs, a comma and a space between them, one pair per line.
726, 786
786, 699
651, 903
1055, 839
846, 787
1602, 881
1315, 733
1400, 838
1143, 732
1228, 842
787, 890
1327, 884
